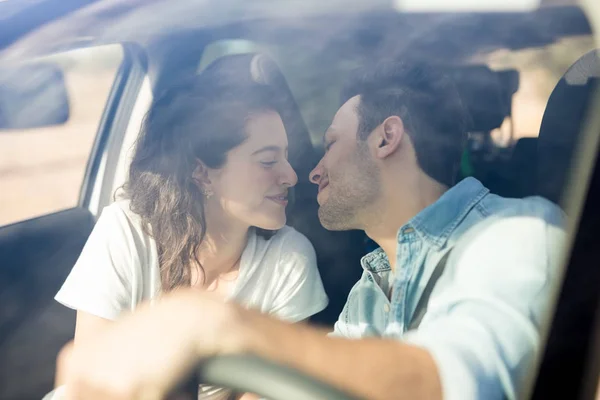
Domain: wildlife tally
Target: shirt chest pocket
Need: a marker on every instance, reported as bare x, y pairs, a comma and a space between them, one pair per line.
367, 311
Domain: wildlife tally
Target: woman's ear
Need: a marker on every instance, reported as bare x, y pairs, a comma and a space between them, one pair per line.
202, 179
389, 136
200, 174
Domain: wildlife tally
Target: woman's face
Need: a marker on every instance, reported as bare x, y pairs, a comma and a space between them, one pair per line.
252, 185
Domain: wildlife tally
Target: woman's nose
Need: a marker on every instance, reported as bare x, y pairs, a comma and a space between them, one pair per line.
288, 177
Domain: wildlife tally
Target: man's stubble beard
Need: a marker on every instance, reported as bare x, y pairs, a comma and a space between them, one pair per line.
353, 193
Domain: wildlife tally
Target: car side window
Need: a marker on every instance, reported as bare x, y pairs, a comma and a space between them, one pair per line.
42, 168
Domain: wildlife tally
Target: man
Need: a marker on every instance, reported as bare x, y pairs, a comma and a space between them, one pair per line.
392, 154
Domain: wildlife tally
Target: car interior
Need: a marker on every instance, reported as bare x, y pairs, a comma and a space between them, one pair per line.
37, 255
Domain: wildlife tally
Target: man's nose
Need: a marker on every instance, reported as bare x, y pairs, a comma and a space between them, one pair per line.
316, 174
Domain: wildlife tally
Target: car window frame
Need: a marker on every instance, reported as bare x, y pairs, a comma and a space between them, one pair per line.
97, 188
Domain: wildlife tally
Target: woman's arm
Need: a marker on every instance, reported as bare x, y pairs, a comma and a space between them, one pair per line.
86, 326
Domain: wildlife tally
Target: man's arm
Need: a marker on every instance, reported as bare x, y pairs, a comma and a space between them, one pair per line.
368, 368
145, 354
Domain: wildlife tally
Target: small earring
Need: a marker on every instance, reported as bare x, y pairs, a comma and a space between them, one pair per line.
207, 192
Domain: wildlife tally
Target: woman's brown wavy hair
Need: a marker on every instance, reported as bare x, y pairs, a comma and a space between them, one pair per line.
201, 118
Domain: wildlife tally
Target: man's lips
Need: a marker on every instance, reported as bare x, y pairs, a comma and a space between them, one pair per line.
323, 186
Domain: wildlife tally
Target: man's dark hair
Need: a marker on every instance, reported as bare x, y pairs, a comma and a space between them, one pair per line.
428, 103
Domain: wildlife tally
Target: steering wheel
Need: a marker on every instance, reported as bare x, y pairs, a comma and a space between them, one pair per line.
247, 373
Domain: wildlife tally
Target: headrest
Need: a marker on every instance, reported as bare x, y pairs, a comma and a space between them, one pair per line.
486, 94
263, 70
562, 122
524, 148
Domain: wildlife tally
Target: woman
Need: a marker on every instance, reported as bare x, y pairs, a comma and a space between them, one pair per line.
204, 206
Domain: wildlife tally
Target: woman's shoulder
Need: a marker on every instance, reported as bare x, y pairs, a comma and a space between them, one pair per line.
120, 223
119, 213
120, 231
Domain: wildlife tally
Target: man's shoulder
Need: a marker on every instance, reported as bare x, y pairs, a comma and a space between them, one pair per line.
492, 209
533, 206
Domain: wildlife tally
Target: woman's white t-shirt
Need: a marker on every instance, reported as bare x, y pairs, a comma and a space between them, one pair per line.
118, 269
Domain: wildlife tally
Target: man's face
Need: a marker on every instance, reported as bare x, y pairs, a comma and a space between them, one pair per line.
347, 175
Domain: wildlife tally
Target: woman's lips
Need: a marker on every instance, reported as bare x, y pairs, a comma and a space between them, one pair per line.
281, 199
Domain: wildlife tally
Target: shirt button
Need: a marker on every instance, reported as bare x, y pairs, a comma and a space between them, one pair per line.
386, 307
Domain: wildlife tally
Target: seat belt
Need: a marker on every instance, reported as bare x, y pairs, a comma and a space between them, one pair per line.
421, 308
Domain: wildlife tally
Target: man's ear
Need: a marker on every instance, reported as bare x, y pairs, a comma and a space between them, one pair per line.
389, 137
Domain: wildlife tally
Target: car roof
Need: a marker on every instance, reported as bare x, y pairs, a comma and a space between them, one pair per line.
51, 25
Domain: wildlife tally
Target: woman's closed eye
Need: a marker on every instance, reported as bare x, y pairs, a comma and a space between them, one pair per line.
268, 164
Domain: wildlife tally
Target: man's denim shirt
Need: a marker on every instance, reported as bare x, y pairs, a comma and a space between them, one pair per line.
482, 325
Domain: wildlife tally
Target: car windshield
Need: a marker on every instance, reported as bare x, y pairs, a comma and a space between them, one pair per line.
77, 86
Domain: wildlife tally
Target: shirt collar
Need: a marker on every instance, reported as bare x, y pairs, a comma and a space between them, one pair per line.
435, 223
